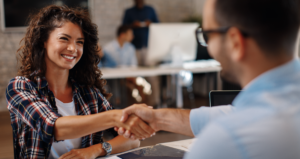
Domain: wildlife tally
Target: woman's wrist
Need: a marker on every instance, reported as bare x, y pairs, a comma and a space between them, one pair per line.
98, 150
116, 117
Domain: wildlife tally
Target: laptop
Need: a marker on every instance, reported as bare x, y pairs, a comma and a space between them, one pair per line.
217, 98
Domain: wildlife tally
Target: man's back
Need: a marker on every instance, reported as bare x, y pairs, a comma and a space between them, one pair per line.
263, 124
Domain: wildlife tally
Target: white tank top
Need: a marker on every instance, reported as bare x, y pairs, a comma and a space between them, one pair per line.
62, 147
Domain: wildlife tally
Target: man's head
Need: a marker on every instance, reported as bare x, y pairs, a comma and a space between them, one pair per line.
258, 30
139, 3
125, 33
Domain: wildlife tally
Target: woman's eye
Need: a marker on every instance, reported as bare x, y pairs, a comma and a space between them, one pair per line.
80, 42
64, 38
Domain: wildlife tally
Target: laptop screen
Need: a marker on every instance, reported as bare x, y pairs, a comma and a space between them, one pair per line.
217, 98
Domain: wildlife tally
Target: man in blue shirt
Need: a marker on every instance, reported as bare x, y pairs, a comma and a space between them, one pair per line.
120, 49
257, 52
121, 53
106, 60
140, 17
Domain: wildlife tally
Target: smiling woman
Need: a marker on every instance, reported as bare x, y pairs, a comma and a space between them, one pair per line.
57, 104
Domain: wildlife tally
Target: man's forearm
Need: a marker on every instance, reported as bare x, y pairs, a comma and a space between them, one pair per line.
71, 127
173, 120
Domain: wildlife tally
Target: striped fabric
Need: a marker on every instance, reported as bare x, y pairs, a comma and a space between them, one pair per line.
33, 113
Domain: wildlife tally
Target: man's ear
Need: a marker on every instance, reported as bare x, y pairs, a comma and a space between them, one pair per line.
236, 43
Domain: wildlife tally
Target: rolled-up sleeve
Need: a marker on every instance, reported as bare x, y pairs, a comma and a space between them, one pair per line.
34, 111
200, 117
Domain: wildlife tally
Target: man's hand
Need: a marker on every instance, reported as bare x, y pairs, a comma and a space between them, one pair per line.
136, 24
148, 22
85, 153
145, 113
134, 125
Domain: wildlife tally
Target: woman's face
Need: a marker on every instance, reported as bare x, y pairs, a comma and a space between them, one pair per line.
64, 47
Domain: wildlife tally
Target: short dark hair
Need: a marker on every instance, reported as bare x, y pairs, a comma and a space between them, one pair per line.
123, 29
273, 24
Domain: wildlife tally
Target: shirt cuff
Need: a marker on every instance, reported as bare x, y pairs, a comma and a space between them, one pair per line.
47, 127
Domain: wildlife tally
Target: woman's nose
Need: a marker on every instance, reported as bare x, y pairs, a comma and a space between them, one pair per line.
72, 48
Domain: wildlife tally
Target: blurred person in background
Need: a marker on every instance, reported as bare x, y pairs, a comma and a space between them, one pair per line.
120, 49
121, 53
106, 60
254, 41
140, 16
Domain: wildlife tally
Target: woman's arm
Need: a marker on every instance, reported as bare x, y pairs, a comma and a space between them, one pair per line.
71, 127
119, 144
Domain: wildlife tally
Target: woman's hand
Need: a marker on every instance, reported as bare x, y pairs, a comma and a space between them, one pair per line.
138, 127
85, 153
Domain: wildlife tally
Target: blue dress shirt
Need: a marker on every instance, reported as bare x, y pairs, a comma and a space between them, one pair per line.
264, 122
107, 61
140, 34
122, 56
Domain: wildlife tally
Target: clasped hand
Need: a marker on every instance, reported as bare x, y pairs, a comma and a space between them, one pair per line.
138, 122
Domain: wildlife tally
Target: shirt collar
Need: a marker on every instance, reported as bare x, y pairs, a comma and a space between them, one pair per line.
267, 81
117, 44
75, 85
41, 82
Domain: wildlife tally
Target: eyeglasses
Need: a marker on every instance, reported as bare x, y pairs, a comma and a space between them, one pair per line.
202, 35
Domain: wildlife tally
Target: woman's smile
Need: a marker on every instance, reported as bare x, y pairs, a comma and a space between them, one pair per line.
68, 57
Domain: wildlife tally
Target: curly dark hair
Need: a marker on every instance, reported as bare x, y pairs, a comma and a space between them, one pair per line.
32, 53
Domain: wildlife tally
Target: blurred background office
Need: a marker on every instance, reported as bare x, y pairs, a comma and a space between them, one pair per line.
108, 15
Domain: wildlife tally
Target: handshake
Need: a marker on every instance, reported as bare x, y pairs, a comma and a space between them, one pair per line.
137, 122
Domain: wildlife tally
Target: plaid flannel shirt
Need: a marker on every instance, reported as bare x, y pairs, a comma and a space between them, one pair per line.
33, 113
